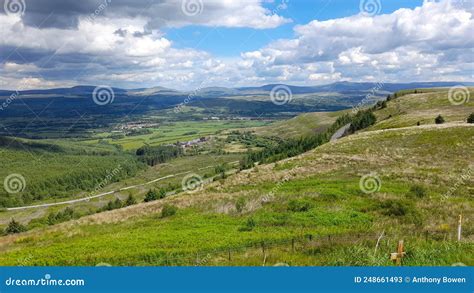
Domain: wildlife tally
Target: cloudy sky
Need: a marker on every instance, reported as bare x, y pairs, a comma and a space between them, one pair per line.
187, 44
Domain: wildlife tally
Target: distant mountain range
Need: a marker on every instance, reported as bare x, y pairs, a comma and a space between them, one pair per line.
344, 87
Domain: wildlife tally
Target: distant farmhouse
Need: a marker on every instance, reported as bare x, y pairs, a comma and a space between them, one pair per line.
192, 143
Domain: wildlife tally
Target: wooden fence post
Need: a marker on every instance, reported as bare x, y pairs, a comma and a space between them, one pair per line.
397, 256
459, 227
264, 253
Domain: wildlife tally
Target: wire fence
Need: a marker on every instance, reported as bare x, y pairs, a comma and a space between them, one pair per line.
292, 245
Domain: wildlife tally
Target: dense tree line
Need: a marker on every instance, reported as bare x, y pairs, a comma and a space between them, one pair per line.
153, 155
142, 131
361, 120
90, 177
293, 147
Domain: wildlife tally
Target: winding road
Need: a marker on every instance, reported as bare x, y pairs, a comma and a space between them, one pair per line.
340, 132
105, 193
93, 196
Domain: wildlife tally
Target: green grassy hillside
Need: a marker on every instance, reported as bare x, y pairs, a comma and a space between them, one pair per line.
409, 108
301, 125
328, 206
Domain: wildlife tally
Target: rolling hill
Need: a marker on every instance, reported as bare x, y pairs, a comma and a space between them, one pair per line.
301, 125
347, 202
410, 108
35, 113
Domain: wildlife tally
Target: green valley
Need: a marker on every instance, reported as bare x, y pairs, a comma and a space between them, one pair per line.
343, 202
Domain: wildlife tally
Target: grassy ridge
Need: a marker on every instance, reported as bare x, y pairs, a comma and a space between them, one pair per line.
317, 193
325, 185
409, 109
301, 125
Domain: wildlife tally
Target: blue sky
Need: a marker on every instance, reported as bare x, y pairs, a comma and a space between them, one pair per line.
187, 44
229, 42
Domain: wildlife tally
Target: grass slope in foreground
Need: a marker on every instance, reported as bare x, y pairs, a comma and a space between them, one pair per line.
307, 210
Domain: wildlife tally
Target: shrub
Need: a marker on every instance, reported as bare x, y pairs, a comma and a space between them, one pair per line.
418, 191
62, 216
151, 195
168, 210
439, 119
249, 225
220, 169
113, 205
299, 205
162, 193
470, 119
395, 208
130, 200
240, 204
14, 227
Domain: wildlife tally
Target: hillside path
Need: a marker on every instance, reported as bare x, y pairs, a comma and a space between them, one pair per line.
340, 132
103, 194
